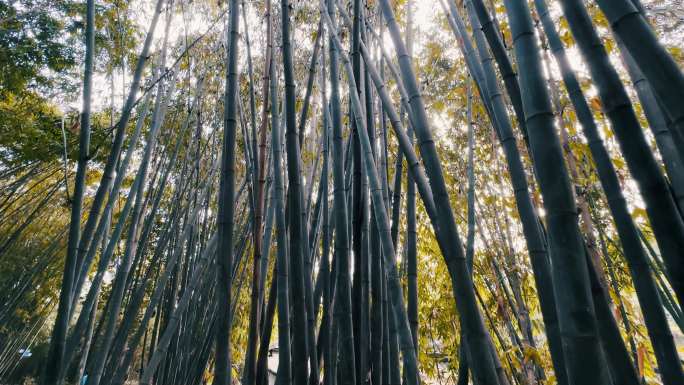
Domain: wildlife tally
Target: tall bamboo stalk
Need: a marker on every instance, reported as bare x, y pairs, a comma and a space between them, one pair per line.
295, 201
249, 373
489, 29
665, 219
53, 370
226, 205
342, 322
584, 359
657, 64
637, 260
532, 231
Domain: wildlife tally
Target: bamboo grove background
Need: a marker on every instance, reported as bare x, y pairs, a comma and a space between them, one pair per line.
341, 192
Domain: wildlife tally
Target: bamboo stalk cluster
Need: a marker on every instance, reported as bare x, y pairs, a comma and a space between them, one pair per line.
158, 285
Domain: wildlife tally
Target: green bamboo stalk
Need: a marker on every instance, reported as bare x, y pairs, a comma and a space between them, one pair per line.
226, 205
667, 223
284, 356
249, 371
634, 252
659, 67
583, 356
491, 33
453, 254
54, 370
398, 309
297, 246
489, 89
342, 321
114, 155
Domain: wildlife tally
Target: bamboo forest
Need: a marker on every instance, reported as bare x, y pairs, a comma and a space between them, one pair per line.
342, 192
